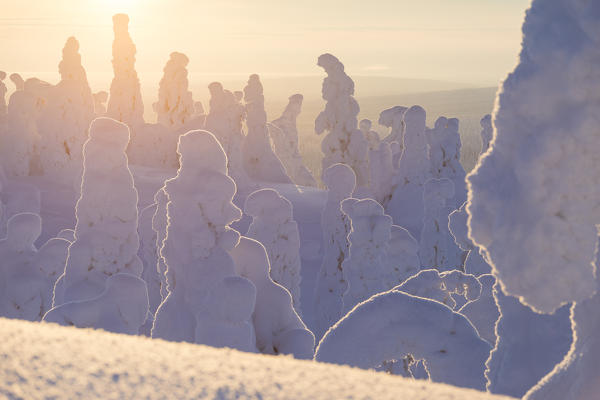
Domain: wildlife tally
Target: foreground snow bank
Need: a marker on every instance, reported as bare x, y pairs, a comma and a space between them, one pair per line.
46, 361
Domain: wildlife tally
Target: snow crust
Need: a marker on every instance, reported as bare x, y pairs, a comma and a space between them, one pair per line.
51, 361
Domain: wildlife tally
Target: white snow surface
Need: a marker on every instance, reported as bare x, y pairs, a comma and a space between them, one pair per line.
46, 360
535, 196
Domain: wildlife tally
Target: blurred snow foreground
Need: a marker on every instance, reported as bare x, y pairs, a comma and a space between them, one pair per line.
72, 363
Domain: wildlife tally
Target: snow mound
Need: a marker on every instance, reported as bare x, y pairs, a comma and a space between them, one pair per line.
49, 361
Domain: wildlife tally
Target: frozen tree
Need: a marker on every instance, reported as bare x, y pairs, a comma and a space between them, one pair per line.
260, 162
472, 260
159, 226
224, 120
528, 345
533, 196
371, 135
367, 269
335, 225
125, 101
100, 99
393, 118
431, 284
175, 106
114, 309
153, 145
487, 133
483, 312
402, 256
148, 254
437, 248
285, 143
394, 325
279, 329
64, 124
106, 239
382, 171
344, 143
273, 225
195, 250
3, 90
414, 169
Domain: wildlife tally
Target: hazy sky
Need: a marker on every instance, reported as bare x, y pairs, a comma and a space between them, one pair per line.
471, 41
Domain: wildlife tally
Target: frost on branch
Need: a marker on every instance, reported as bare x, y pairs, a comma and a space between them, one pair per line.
195, 252
285, 143
64, 124
414, 169
273, 225
344, 143
534, 200
260, 162
335, 225
106, 239
279, 329
393, 325
431, 284
125, 102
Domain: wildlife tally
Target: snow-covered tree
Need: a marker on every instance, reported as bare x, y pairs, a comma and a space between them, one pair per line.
100, 99
195, 249
472, 260
148, 254
344, 143
64, 124
394, 325
175, 106
414, 169
483, 312
487, 133
125, 102
382, 171
437, 248
106, 239
534, 195
260, 162
367, 269
393, 118
279, 329
371, 135
335, 225
224, 120
273, 225
285, 143
3, 91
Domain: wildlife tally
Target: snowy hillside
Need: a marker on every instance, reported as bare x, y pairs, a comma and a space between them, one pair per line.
50, 361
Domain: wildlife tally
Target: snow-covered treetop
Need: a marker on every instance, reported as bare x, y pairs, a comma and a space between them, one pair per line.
394, 118
294, 107
268, 204
175, 104
18, 81
487, 132
255, 101
534, 198
337, 83
70, 67
340, 181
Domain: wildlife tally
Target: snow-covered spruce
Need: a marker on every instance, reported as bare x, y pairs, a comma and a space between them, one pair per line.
344, 143
393, 118
279, 329
483, 312
224, 120
17, 197
175, 106
148, 254
64, 124
444, 155
382, 171
472, 260
528, 346
393, 325
106, 239
125, 102
27, 275
431, 284
414, 169
100, 99
273, 225
335, 225
195, 252
437, 248
159, 226
260, 162
3, 91
285, 143
487, 133
371, 135
117, 309
368, 269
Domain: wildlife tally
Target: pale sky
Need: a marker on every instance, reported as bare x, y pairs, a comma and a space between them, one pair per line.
470, 41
